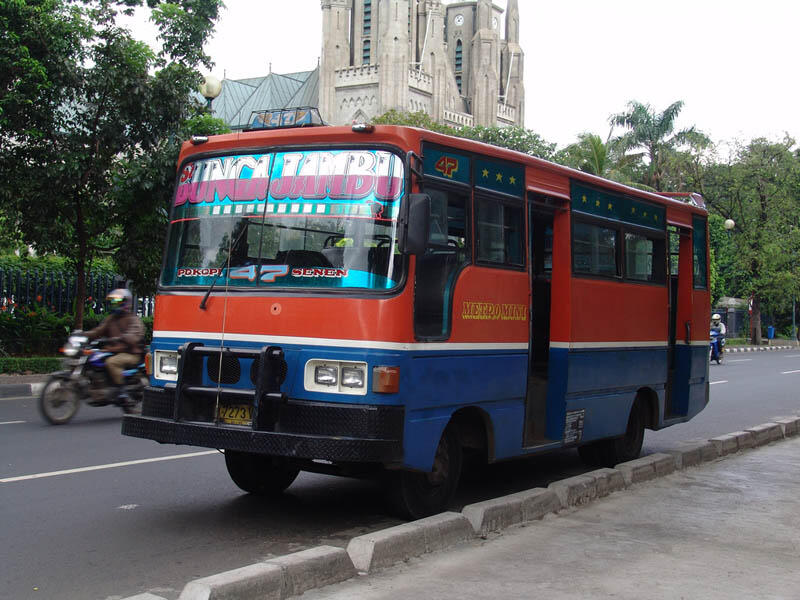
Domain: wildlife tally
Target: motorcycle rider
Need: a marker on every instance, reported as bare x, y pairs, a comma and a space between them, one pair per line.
719, 327
124, 332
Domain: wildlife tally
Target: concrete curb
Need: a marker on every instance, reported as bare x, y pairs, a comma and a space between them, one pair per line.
402, 542
14, 390
291, 575
757, 348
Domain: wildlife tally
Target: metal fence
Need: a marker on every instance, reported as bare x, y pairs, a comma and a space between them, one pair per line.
56, 291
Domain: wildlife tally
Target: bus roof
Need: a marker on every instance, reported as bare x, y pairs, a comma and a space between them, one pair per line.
553, 179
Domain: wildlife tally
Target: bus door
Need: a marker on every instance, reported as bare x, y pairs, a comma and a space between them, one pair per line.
541, 266
678, 349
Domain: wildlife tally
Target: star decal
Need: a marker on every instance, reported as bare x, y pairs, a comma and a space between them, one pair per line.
512, 180
499, 177
485, 173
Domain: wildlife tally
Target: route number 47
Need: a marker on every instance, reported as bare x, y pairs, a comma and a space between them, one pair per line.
447, 165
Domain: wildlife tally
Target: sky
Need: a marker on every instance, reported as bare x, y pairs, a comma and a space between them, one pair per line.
734, 63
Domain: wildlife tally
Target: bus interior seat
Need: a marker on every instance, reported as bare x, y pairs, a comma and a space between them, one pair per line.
302, 258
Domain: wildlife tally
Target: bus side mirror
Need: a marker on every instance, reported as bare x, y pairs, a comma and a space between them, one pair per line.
418, 225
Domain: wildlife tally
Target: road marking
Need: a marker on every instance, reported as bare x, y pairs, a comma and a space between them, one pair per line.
740, 360
789, 372
716, 382
107, 466
792, 356
11, 422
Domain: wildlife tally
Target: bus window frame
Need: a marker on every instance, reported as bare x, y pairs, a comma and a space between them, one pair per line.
426, 184
621, 228
358, 293
505, 200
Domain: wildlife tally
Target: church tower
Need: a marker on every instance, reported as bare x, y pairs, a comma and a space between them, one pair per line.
448, 61
512, 92
335, 50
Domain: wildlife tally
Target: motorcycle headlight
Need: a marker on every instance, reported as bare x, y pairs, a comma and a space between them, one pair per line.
69, 350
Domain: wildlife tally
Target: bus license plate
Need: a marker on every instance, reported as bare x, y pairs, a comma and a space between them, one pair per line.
237, 414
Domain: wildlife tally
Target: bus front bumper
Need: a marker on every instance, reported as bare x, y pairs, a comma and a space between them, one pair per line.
326, 431
289, 445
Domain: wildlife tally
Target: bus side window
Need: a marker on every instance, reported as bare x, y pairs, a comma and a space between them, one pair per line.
448, 250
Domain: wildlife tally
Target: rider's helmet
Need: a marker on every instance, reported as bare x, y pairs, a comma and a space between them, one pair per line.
715, 318
120, 301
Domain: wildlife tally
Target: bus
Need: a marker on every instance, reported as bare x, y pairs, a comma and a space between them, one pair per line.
392, 302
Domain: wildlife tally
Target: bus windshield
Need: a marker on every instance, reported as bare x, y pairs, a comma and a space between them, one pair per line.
307, 219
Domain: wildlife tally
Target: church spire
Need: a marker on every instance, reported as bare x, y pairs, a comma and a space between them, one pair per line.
512, 22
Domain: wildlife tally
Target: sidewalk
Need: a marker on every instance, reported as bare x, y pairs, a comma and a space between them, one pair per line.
726, 529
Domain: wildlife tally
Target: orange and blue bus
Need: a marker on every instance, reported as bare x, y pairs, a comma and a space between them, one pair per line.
383, 300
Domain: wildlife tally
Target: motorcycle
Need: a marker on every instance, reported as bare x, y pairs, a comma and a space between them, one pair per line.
715, 351
86, 379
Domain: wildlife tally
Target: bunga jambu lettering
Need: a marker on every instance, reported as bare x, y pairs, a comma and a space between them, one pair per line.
343, 175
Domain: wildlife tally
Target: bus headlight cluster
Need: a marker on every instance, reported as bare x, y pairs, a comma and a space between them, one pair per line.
166, 365
335, 377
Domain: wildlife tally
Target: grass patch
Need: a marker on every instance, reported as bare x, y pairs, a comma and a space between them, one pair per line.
26, 365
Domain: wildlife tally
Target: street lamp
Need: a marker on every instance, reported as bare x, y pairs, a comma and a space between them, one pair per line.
210, 88
729, 224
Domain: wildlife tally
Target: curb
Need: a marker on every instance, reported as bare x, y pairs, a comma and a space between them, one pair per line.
291, 575
757, 348
15, 390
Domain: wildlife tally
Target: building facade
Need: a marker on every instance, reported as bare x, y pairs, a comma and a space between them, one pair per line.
455, 62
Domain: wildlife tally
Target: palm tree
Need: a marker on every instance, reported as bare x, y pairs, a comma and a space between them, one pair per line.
604, 159
653, 134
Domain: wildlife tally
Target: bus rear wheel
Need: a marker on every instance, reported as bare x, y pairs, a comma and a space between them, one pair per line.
416, 495
607, 453
259, 474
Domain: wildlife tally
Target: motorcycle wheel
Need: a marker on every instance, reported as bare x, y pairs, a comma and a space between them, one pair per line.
58, 401
136, 393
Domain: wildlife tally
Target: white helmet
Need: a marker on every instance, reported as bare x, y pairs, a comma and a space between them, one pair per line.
715, 317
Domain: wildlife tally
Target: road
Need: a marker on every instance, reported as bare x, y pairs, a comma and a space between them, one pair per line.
107, 531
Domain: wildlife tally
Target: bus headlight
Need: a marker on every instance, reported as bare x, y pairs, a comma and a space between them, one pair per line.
335, 377
352, 377
326, 375
166, 365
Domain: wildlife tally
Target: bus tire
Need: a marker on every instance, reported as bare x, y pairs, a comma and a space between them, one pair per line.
611, 452
415, 495
259, 474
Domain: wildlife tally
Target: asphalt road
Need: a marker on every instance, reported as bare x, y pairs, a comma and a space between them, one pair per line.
114, 531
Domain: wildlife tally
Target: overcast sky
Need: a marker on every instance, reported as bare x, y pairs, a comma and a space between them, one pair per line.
733, 62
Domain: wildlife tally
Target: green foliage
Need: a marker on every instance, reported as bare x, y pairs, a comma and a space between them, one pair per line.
143, 188
53, 262
35, 331
513, 138
413, 119
33, 364
80, 98
759, 188
651, 138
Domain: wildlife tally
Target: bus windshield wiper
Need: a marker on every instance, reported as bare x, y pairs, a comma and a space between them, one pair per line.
222, 266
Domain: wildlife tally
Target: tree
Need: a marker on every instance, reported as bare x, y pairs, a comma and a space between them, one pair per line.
604, 159
653, 134
513, 138
80, 97
759, 188
144, 186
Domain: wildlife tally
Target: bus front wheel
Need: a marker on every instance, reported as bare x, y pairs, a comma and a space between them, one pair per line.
607, 453
416, 495
258, 474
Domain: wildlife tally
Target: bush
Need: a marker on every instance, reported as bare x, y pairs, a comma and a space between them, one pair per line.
35, 364
39, 332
